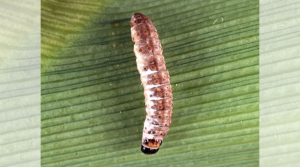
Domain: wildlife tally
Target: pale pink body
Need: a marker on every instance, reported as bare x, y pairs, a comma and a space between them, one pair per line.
155, 79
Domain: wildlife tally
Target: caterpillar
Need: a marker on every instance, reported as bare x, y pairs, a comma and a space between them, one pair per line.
155, 80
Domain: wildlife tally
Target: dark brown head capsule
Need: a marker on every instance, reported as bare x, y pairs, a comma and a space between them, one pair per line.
151, 146
148, 151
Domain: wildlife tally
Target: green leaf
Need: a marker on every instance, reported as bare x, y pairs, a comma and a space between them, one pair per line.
92, 100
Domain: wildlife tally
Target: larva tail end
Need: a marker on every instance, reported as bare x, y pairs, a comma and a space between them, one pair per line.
138, 18
148, 151
137, 14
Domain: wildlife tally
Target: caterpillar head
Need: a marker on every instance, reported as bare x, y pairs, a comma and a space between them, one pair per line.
150, 146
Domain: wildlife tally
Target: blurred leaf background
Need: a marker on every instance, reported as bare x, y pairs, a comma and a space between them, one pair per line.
92, 100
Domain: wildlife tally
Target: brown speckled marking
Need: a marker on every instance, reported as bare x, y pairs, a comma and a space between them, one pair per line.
155, 79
